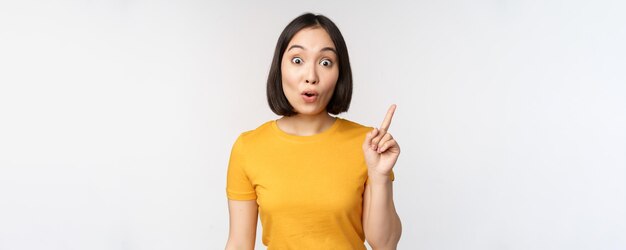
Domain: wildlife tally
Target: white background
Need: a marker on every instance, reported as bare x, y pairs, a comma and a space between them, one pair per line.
117, 118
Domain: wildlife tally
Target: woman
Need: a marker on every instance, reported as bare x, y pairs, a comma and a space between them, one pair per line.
317, 181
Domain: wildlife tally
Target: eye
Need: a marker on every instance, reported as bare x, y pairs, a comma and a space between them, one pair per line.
296, 60
326, 63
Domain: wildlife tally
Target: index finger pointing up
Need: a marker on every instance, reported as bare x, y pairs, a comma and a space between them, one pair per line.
387, 121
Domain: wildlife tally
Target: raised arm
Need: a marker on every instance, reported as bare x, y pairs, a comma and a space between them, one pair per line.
381, 223
243, 219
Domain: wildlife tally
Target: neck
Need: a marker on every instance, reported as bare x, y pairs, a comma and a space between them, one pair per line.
305, 125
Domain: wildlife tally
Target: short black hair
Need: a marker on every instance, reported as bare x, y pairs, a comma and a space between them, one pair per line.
340, 101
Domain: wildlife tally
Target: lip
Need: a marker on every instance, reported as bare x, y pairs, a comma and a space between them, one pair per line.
310, 91
309, 99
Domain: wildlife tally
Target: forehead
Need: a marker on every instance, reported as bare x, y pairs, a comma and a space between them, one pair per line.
314, 38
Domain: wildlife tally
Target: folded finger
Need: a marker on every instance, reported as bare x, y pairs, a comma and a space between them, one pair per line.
388, 144
378, 138
384, 139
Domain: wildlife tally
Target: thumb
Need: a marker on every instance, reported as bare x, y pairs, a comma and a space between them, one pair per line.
368, 138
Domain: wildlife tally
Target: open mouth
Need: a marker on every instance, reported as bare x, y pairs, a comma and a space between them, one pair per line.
309, 93
309, 96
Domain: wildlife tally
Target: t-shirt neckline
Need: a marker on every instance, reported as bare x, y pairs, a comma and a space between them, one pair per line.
306, 138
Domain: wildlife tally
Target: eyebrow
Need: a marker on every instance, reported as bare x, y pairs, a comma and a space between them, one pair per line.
323, 49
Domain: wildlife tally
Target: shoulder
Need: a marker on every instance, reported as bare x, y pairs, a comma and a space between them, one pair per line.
352, 129
258, 134
348, 124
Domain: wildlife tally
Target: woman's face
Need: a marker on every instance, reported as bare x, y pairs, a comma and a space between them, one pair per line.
310, 71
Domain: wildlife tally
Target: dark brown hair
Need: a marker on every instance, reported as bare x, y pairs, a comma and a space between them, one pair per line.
340, 101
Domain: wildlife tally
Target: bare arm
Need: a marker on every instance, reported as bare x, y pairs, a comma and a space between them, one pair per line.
243, 219
381, 223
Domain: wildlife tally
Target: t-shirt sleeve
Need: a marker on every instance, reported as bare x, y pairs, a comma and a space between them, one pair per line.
238, 184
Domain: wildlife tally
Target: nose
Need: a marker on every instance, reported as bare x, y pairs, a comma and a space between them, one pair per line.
311, 75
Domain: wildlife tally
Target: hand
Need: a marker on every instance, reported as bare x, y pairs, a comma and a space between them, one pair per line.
380, 149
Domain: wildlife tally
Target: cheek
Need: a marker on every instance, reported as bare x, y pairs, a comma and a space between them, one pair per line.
332, 79
288, 77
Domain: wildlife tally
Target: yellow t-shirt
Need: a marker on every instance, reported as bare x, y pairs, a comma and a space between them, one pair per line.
309, 188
